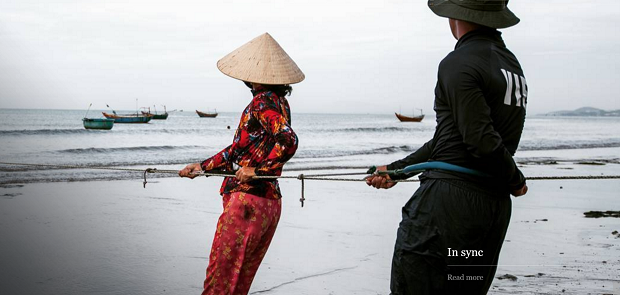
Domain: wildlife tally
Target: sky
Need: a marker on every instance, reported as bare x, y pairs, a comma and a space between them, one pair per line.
358, 56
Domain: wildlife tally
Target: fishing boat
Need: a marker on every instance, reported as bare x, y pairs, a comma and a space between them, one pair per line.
163, 116
206, 115
103, 124
157, 116
129, 118
409, 119
404, 118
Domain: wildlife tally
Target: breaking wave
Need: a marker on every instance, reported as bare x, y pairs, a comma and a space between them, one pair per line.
81, 131
547, 146
44, 132
94, 150
310, 154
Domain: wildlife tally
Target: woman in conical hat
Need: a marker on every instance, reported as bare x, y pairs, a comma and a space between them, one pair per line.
263, 143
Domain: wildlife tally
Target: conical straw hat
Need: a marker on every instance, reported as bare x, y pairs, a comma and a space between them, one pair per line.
262, 61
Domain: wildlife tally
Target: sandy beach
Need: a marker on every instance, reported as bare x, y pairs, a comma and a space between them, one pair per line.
115, 237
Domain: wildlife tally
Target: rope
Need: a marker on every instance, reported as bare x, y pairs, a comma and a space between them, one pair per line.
573, 177
217, 174
337, 174
302, 177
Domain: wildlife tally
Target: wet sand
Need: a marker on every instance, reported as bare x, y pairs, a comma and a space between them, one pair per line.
114, 237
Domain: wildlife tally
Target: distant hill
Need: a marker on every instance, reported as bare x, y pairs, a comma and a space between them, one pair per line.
586, 112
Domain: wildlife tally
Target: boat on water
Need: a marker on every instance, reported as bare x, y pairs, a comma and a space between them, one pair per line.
155, 115
102, 124
206, 115
98, 123
403, 118
414, 118
129, 118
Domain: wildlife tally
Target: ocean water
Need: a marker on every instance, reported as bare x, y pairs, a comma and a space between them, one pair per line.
327, 141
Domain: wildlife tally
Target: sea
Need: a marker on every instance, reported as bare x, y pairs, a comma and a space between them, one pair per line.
326, 142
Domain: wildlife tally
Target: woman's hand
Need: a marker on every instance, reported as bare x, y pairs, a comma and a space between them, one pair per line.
246, 174
190, 170
380, 181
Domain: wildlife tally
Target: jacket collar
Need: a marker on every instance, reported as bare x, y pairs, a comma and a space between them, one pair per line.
490, 34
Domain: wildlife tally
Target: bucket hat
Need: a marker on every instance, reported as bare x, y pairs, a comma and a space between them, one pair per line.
263, 61
490, 13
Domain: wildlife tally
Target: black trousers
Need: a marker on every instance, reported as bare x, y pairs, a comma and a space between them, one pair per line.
449, 239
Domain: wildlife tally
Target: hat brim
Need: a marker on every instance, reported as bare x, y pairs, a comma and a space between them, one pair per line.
263, 61
494, 19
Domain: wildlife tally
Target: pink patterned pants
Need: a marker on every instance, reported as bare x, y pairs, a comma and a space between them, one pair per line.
244, 232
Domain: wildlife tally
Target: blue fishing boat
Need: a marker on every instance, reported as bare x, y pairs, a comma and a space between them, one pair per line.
131, 118
104, 124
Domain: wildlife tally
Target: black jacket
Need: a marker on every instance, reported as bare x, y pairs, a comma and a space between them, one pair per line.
480, 101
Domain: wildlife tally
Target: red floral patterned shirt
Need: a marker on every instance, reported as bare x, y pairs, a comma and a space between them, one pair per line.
264, 139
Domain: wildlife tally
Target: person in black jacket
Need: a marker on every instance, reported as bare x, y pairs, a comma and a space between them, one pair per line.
453, 227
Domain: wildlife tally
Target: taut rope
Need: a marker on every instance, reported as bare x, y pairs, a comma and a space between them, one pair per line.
302, 177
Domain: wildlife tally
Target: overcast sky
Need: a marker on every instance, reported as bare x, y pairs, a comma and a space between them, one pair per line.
358, 56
